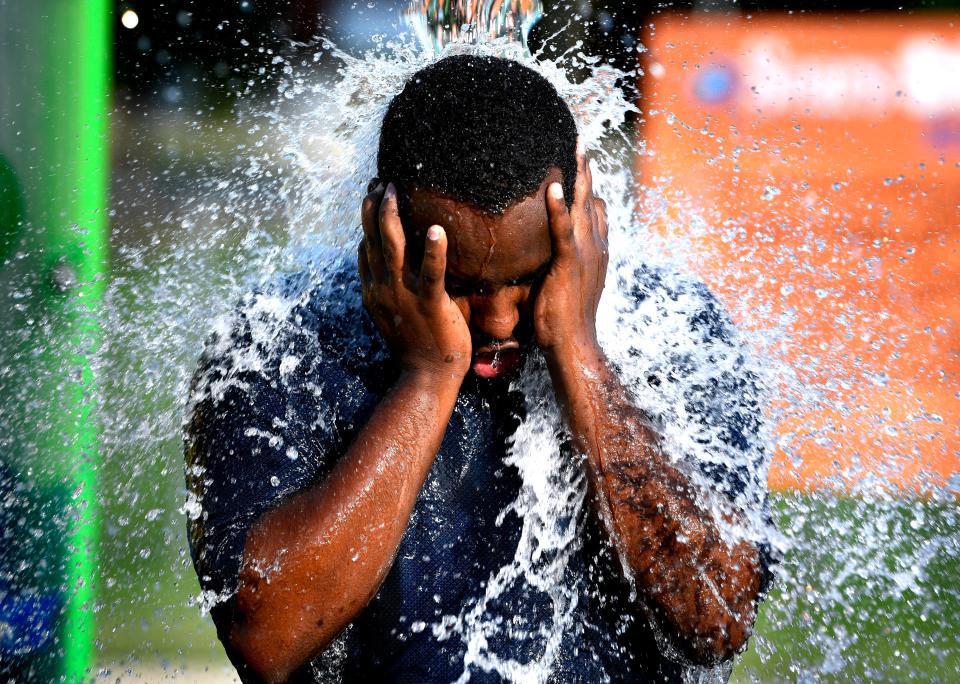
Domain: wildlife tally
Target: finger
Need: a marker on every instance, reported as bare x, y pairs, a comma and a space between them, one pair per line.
600, 211
366, 279
374, 182
434, 264
391, 233
600, 223
583, 188
561, 227
363, 266
371, 231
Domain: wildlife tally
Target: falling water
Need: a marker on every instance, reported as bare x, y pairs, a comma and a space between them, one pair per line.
288, 201
840, 554
438, 23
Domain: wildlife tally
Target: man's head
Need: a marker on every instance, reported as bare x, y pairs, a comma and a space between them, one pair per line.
471, 144
481, 130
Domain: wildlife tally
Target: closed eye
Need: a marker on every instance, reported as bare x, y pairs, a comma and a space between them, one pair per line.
456, 289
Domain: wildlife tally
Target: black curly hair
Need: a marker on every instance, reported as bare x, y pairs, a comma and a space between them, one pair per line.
482, 130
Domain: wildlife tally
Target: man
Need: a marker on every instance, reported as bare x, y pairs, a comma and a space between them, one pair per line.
349, 463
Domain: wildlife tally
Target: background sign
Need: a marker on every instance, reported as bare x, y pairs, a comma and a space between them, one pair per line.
810, 169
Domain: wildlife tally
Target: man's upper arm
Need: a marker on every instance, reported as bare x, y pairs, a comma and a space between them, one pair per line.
237, 469
257, 434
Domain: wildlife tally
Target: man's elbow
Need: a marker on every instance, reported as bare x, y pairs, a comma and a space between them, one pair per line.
268, 642
257, 661
714, 642
713, 629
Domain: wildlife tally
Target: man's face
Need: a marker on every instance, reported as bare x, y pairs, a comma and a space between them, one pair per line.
494, 264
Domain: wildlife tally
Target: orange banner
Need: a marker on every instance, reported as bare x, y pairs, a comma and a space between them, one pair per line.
808, 168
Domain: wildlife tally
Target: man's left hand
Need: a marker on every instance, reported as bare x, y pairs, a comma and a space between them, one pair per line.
565, 311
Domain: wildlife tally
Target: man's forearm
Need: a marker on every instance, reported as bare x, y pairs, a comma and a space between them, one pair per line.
701, 590
312, 564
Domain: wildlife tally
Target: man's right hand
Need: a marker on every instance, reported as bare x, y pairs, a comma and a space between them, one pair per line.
423, 327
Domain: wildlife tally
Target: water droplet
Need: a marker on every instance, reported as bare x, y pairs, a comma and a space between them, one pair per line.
769, 192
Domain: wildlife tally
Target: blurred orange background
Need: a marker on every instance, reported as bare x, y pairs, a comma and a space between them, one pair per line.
810, 167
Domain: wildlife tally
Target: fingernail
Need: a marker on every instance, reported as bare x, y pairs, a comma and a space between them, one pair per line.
391, 191
581, 148
434, 233
556, 191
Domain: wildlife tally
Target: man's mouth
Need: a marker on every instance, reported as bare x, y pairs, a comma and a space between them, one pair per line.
497, 359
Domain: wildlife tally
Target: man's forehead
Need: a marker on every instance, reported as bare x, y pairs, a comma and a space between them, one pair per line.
485, 246
503, 265
501, 247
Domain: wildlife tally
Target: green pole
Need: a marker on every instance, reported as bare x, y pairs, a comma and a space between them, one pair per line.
77, 87
85, 57
55, 56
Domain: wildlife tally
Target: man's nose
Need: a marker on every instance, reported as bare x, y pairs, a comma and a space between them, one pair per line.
495, 315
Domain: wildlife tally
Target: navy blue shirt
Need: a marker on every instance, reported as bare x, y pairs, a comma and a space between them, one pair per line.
475, 590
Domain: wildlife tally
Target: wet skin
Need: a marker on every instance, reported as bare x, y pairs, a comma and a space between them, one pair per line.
448, 286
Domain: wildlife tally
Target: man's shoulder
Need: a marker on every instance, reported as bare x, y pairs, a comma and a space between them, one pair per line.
675, 330
320, 304
299, 344
292, 319
691, 370
669, 294
327, 299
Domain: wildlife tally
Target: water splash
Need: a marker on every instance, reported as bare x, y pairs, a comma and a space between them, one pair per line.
550, 504
329, 167
438, 23
294, 182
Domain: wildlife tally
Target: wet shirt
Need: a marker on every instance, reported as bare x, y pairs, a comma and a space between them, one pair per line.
280, 393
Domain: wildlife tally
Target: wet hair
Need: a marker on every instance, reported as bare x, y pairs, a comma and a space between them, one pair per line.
478, 129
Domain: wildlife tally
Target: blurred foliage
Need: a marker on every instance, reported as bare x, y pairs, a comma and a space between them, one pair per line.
11, 208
